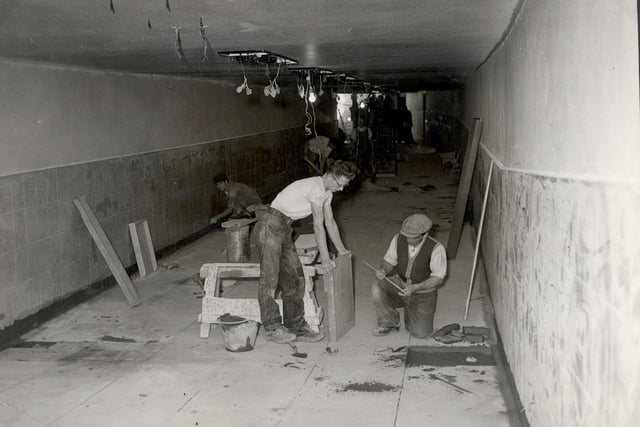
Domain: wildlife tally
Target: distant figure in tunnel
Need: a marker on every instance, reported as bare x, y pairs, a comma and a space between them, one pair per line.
421, 264
241, 199
405, 123
362, 139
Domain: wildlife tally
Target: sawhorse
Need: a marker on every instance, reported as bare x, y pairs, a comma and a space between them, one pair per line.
213, 305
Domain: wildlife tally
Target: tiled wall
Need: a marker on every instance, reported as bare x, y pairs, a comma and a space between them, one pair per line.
46, 253
561, 257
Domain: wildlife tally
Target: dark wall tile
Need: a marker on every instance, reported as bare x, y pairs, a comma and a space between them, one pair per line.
37, 223
40, 187
6, 197
24, 267
7, 232
7, 269
72, 181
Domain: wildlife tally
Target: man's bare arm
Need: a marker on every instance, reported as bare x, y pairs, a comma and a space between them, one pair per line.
332, 229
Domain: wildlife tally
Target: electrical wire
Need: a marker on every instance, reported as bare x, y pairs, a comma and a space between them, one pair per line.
178, 43
205, 40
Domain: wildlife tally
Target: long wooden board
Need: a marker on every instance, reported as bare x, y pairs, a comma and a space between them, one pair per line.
338, 286
463, 188
108, 253
143, 247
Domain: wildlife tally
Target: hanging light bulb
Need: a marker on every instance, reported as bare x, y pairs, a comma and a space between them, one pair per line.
243, 86
312, 95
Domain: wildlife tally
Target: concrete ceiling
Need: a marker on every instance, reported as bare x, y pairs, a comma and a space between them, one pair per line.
397, 44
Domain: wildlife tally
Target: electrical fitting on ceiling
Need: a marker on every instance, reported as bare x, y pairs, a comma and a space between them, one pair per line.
272, 89
259, 58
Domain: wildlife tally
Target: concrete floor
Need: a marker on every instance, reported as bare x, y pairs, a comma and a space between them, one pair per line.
105, 364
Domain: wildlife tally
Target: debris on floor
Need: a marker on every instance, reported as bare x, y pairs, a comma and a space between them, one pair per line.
368, 387
456, 387
480, 355
331, 351
451, 333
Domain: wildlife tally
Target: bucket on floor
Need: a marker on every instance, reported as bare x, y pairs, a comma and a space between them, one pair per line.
239, 333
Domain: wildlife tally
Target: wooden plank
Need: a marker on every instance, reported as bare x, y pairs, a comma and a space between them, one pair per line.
463, 188
143, 247
475, 255
108, 253
238, 222
338, 286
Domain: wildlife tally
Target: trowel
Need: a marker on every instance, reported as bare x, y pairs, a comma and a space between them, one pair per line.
295, 351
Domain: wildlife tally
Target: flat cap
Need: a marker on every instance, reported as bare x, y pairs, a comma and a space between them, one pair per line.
415, 225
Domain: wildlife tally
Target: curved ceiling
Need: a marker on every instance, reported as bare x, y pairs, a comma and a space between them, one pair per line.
398, 44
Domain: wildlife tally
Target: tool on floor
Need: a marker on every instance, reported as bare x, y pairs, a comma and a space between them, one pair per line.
446, 334
386, 278
295, 351
463, 390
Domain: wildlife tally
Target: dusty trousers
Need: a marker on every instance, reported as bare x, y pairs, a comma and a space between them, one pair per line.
280, 268
419, 309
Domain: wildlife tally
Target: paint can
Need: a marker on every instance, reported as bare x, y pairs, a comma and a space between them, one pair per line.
239, 334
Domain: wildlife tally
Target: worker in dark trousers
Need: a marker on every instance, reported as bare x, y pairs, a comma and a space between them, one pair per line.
280, 266
405, 123
242, 200
421, 264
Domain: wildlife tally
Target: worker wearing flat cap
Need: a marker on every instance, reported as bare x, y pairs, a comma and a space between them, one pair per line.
420, 262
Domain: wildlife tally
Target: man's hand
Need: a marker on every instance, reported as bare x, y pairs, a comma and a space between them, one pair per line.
213, 220
380, 274
327, 266
409, 289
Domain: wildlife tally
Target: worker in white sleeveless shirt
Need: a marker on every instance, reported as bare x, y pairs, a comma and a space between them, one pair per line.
280, 266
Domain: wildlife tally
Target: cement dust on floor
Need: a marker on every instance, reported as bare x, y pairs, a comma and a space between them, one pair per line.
105, 364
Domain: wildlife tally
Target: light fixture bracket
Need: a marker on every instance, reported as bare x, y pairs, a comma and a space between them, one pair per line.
257, 57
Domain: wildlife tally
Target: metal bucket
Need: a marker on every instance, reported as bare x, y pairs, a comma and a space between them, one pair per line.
238, 249
239, 335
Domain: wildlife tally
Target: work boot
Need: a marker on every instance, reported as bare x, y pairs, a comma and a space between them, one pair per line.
381, 331
304, 333
279, 335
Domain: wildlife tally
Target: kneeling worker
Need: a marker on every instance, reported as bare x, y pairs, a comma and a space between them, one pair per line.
421, 263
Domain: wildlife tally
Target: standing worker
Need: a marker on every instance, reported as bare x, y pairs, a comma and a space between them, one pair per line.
279, 262
241, 199
421, 263
405, 123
